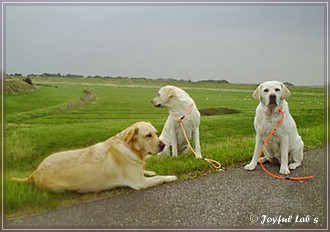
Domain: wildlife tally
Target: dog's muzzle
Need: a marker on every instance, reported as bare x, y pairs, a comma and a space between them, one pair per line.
159, 105
272, 100
161, 146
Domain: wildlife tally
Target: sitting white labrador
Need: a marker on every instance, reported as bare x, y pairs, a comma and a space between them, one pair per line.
118, 161
285, 146
180, 106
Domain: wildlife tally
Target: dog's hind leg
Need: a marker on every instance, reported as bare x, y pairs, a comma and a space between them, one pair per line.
184, 150
297, 155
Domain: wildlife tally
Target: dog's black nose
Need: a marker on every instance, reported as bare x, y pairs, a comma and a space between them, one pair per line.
272, 99
161, 145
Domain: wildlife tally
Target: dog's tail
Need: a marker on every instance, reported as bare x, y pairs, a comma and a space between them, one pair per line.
26, 179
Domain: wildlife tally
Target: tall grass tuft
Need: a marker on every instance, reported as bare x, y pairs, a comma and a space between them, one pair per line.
19, 149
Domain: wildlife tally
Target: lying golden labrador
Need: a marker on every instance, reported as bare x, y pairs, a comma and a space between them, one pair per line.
118, 161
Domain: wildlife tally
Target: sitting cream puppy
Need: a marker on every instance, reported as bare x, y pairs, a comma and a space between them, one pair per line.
285, 146
181, 107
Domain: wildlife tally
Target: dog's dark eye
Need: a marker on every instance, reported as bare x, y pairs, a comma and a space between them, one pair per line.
149, 135
277, 90
266, 90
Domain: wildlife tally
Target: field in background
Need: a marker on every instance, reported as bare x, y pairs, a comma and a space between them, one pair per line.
68, 113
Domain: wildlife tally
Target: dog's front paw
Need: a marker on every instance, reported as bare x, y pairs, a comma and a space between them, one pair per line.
170, 178
284, 170
250, 166
198, 156
149, 173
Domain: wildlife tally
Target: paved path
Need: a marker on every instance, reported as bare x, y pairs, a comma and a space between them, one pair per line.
226, 199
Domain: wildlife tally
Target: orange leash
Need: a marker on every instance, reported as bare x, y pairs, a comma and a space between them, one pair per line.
213, 162
262, 148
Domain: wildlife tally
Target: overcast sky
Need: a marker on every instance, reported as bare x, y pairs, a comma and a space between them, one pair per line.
242, 44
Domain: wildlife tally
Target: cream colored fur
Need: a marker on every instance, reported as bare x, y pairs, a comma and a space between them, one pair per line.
118, 161
179, 104
285, 146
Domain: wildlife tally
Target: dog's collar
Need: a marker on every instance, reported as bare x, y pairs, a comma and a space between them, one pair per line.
179, 119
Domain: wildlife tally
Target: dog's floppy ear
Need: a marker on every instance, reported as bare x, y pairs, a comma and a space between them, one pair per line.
285, 92
130, 133
256, 93
168, 94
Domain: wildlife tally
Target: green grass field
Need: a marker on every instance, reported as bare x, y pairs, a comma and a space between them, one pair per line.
57, 117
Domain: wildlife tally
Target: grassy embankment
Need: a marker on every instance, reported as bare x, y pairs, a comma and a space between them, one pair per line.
69, 113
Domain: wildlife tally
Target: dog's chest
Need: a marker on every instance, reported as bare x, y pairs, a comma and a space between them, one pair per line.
188, 125
273, 146
264, 125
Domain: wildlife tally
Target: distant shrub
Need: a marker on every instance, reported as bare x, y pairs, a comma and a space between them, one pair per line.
215, 81
15, 87
28, 80
218, 111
